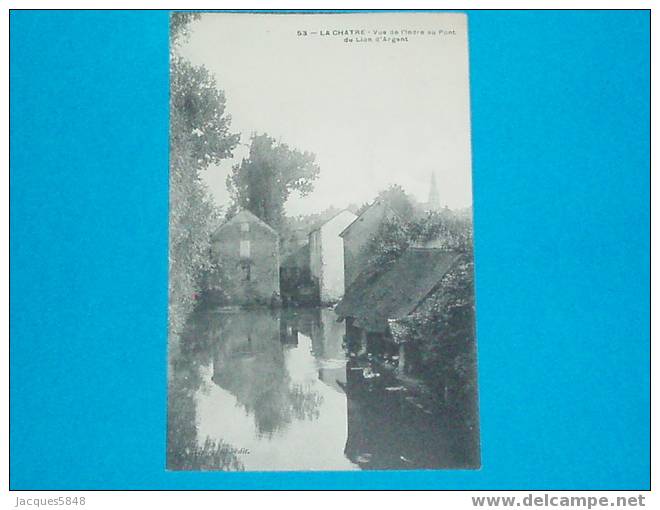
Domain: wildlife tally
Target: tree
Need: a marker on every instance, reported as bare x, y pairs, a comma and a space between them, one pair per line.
398, 200
388, 244
199, 125
263, 181
199, 136
180, 26
443, 230
443, 330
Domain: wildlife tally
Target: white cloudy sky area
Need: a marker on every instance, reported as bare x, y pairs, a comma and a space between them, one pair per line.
373, 113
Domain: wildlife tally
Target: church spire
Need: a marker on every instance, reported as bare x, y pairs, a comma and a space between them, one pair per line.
434, 196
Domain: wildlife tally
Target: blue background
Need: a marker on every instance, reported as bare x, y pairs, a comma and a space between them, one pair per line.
560, 119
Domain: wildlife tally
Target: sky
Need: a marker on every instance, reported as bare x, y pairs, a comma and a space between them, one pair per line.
375, 113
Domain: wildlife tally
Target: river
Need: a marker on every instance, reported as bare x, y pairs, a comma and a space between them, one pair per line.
276, 390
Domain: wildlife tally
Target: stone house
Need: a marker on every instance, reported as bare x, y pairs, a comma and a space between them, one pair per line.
357, 235
326, 256
248, 251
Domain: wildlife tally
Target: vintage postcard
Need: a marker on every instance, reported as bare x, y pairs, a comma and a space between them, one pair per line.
321, 274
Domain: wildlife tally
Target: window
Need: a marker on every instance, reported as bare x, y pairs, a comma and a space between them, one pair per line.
245, 227
245, 249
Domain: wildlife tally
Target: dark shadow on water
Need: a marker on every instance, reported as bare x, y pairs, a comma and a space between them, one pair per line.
281, 385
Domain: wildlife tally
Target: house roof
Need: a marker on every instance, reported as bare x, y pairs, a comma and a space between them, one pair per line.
321, 224
245, 216
375, 202
373, 299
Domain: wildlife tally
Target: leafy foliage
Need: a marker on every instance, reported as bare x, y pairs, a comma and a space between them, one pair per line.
389, 243
444, 230
198, 117
263, 181
180, 24
399, 200
443, 332
199, 136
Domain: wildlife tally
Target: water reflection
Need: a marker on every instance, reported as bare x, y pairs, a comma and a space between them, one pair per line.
268, 382
276, 390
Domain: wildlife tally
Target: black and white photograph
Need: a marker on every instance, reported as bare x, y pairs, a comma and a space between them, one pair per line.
396, 254
321, 270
